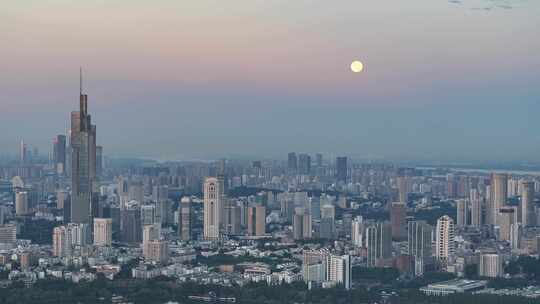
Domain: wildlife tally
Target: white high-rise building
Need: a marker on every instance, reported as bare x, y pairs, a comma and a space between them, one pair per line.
102, 231
339, 270
444, 240
213, 201
490, 265
357, 231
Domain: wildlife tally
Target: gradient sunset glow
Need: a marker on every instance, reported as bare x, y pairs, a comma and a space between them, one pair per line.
201, 76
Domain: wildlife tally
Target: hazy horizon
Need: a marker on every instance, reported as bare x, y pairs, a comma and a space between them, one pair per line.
184, 80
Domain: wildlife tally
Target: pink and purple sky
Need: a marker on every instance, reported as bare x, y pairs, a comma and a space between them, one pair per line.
194, 79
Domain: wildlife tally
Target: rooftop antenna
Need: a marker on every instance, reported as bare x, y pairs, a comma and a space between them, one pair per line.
80, 80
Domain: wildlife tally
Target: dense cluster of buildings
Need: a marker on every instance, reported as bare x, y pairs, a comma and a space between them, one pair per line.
314, 218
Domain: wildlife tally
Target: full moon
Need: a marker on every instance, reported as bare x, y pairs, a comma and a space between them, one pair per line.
357, 66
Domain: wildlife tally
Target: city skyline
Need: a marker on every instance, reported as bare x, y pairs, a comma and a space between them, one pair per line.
466, 90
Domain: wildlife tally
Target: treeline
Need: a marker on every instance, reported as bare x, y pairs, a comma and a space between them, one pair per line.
162, 290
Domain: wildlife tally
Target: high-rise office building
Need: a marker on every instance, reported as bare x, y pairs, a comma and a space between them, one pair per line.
444, 239
148, 215
213, 201
499, 194
83, 158
398, 218
419, 245
287, 210
506, 218
59, 154
403, 188
23, 153
476, 208
516, 234
327, 229
21, 203
102, 231
462, 212
185, 220
292, 163
319, 160
304, 164
302, 228
379, 244
232, 221
130, 225
256, 221
341, 169
528, 216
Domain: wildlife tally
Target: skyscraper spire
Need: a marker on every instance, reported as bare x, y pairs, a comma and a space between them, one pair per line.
80, 80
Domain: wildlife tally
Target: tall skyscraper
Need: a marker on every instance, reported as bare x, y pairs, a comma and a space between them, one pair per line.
292, 163
506, 218
476, 208
419, 245
357, 231
302, 228
444, 243
83, 157
130, 225
304, 164
102, 231
59, 154
462, 212
528, 216
213, 201
398, 218
341, 169
499, 194
403, 188
256, 221
319, 160
185, 220
379, 244
232, 221
23, 153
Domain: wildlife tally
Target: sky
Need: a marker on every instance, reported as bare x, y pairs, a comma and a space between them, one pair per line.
443, 80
